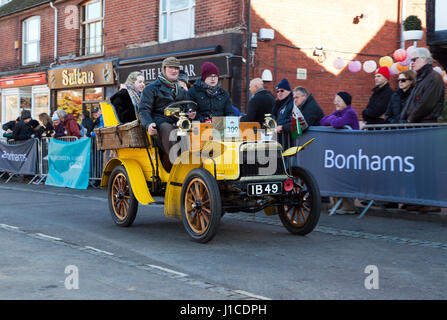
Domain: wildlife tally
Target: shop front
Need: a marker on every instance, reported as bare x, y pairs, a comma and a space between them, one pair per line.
75, 88
24, 92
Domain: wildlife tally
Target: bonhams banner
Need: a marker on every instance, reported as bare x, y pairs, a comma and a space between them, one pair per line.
20, 158
69, 163
405, 165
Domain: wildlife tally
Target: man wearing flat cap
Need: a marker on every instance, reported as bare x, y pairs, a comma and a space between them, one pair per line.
156, 97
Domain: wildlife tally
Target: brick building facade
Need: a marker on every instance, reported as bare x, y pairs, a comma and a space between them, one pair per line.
124, 36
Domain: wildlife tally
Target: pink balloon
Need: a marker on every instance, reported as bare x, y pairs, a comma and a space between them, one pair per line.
355, 66
400, 55
410, 50
406, 62
369, 66
339, 63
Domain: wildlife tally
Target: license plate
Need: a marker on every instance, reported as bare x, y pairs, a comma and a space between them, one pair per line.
259, 189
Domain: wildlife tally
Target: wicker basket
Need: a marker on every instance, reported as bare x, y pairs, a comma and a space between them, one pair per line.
128, 135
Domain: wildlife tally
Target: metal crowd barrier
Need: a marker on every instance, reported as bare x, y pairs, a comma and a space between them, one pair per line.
96, 160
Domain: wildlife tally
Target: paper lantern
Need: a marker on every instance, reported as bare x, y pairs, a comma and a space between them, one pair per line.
369, 66
438, 70
355, 66
400, 67
400, 55
339, 63
386, 61
393, 69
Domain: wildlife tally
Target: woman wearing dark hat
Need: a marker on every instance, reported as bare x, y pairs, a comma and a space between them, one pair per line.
211, 99
344, 115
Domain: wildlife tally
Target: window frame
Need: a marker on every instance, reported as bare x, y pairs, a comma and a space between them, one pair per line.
84, 46
168, 13
26, 42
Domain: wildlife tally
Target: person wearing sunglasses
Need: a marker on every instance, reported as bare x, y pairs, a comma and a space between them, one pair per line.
426, 102
379, 99
282, 112
405, 82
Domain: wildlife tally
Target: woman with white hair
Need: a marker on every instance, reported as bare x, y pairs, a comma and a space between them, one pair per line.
426, 102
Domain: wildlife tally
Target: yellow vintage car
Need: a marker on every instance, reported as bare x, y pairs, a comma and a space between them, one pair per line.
225, 166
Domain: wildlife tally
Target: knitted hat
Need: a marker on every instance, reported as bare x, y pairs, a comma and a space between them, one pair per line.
284, 84
172, 62
345, 96
207, 69
384, 71
54, 117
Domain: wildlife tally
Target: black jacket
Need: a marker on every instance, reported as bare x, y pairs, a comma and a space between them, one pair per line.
9, 125
311, 111
88, 124
154, 100
22, 131
282, 113
210, 106
426, 101
378, 102
396, 105
261, 104
123, 106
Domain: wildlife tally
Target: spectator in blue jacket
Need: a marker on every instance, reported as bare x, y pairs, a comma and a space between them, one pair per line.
344, 114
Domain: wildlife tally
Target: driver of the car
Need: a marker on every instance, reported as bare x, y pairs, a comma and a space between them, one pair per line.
156, 97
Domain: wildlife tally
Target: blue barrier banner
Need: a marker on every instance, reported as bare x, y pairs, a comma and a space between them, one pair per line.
403, 165
69, 163
20, 158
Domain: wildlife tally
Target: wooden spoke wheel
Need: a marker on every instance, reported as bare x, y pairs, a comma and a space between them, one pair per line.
201, 205
302, 218
122, 203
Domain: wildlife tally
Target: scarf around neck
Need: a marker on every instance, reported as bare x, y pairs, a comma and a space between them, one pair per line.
173, 86
134, 94
210, 91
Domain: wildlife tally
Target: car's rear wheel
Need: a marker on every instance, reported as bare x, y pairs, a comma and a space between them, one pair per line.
201, 205
122, 203
302, 218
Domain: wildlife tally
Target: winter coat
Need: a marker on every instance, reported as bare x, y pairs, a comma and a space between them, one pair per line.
87, 123
282, 113
9, 125
426, 101
210, 106
154, 100
378, 102
59, 130
396, 105
22, 131
71, 126
261, 104
311, 111
340, 118
123, 106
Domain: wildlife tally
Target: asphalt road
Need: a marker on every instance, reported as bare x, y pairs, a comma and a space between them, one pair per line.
58, 243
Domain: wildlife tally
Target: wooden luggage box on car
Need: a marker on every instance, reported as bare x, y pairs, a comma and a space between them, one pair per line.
128, 135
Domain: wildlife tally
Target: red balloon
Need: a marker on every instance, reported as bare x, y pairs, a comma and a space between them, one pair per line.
400, 55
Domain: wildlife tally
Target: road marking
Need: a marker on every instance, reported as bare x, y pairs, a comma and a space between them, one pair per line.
48, 237
249, 294
99, 250
8, 227
167, 270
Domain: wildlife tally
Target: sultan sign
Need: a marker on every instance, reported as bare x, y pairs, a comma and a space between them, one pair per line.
82, 76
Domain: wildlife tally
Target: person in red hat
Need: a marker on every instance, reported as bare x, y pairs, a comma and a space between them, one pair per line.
379, 99
211, 99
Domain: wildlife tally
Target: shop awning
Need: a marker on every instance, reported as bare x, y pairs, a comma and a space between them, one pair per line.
23, 80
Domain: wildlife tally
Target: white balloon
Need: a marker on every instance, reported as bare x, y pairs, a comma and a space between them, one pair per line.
438, 70
369, 66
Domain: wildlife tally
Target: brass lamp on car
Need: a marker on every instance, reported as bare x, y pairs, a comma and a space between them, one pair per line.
269, 124
183, 124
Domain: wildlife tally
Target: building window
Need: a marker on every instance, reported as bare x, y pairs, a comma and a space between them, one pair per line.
176, 19
31, 40
92, 17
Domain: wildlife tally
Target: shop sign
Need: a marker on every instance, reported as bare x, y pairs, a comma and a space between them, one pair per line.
83, 76
23, 80
191, 66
